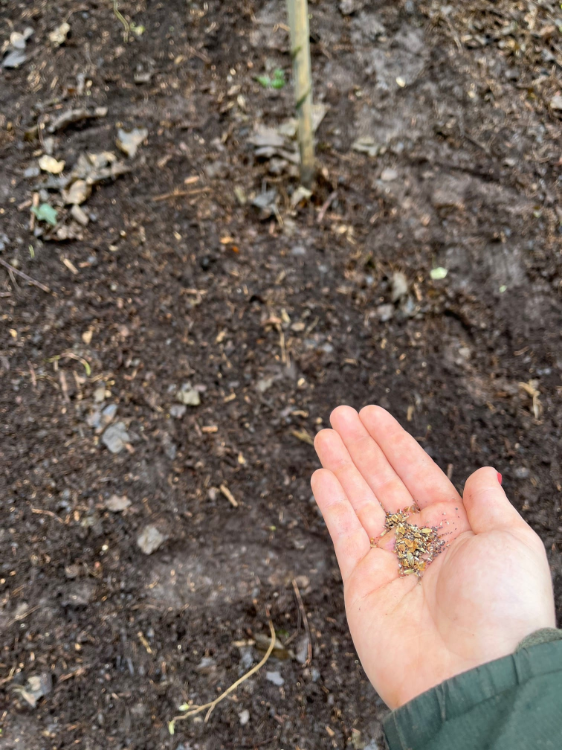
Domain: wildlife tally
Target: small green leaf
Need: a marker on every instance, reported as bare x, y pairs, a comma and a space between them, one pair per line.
264, 80
503, 289
47, 213
185, 707
279, 73
137, 30
277, 83
171, 727
438, 273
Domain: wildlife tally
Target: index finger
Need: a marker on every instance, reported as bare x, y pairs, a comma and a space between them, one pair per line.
421, 475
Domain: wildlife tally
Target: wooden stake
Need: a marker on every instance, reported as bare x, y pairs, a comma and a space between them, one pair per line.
300, 55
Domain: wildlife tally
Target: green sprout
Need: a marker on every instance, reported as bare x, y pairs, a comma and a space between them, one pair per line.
277, 81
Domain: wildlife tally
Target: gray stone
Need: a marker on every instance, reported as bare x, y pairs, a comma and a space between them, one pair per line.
389, 175
150, 539
275, 678
116, 437
399, 286
117, 504
178, 411
385, 312
521, 472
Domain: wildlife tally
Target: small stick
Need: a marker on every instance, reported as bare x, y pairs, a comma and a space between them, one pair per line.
305, 620
47, 513
327, 203
228, 494
178, 194
23, 275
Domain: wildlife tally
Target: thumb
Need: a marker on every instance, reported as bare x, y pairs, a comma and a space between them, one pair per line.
486, 503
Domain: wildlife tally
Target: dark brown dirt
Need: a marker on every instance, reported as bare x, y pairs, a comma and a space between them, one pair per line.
275, 335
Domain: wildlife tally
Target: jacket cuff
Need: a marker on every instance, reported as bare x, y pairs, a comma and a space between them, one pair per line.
545, 635
442, 715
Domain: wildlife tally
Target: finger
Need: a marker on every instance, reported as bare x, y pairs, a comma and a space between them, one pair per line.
370, 460
487, 505
422, 477
334, 456
350, 539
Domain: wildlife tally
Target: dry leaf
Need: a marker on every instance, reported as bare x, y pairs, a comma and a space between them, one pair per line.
51, 165
303, 435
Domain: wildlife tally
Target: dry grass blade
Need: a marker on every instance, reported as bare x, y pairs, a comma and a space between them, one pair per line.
194, 710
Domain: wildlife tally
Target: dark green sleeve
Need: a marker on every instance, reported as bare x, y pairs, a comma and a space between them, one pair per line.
514, 703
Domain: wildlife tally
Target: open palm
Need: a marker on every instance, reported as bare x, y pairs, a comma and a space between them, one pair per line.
486, 591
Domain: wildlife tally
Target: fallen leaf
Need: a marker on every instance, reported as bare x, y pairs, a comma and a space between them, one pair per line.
77, 193
46, 213
75, 115
58, 35
303, 435
51, 165
14, 59
129, 141
117, 504
366, 145
301, 194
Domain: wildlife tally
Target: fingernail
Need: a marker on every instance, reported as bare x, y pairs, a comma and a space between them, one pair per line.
500, 478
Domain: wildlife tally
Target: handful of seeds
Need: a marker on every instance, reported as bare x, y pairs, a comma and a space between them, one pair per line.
415, 547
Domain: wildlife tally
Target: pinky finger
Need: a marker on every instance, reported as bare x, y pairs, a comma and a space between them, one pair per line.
351, 541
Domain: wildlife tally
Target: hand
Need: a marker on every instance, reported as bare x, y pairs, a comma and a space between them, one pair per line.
480, 597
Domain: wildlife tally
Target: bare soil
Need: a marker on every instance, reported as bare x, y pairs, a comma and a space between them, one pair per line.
274, 320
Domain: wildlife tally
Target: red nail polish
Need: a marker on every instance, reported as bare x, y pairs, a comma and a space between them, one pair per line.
500, 478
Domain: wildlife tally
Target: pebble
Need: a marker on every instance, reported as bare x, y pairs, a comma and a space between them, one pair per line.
389, 175
116, 437
275, 678
246, 658
264, 384
178, 410
399, 286
116, 504
302, 650
521, 472
207, 665
188, 395
385, 312
99, 394
150, 539
244, 717
298, 250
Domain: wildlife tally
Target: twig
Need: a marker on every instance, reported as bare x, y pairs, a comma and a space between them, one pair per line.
121, 18
50, 513
193, 710
4, 680
326, 205
229, 496
23, 275
305, 620
178, 194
